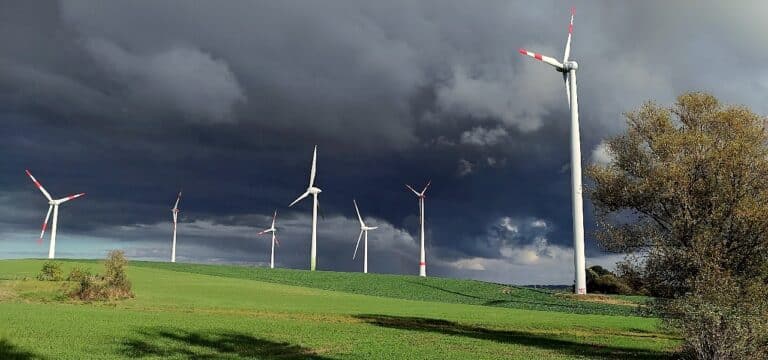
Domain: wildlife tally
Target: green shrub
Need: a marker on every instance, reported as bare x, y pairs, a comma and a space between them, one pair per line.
610, 284
78, 273
723, 318
89, 288
600, 280
114, 285
633, 275
115, 275
51, 271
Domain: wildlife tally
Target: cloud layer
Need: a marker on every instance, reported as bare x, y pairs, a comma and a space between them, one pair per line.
131, 101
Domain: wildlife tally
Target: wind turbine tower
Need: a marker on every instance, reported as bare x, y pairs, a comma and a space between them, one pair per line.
568, 69
175, 215
422, 256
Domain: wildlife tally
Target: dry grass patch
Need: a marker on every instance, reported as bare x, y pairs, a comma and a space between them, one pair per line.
599, 298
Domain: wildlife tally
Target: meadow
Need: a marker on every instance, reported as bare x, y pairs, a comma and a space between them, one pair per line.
185, 311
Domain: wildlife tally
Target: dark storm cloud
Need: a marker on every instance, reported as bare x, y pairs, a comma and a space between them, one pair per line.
130, 101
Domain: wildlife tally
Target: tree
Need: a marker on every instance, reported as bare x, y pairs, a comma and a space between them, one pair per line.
686, 195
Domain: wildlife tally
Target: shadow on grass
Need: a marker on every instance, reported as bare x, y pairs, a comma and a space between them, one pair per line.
165, 342
445, 290
547, 302
9, 351
545, 342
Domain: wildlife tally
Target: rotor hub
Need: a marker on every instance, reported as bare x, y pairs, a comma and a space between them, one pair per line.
570, 65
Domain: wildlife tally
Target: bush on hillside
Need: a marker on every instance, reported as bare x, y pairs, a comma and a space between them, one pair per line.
78, 273
632, 275
600, 280
115, 276
51, 271
114, 285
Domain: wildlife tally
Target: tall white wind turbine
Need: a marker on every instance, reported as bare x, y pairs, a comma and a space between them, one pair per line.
53, 205
363, 230
272, 230
422, 255
314, 191
568, 68
175, 214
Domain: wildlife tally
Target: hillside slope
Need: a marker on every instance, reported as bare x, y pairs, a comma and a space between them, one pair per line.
406, 287
185, 315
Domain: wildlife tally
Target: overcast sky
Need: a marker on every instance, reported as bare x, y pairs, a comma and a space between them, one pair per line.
130, 101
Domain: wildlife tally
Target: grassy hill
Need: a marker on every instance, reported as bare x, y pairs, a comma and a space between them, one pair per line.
409, 287
225, 312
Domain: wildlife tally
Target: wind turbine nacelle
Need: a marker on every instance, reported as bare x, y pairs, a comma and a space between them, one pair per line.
570, 65
314, 190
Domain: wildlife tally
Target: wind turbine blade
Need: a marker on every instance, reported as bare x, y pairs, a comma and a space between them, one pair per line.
70, 197
414, 191
362, 224
302, 196
277, 242
262, 232
358, 244
273, 219
45, 224
567, 54
320, 212
39, 186
314, 168
425, 188
567, 88
546, 59
176, 205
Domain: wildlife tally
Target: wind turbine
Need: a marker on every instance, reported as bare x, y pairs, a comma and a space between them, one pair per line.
272, 230
568, 69
53, 205
422, 259
175, 214
311, 189
363, 230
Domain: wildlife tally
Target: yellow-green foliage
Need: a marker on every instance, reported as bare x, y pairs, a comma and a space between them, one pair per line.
51, 271
114, 285
687, 192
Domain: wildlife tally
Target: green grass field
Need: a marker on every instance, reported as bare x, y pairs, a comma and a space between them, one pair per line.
186, 311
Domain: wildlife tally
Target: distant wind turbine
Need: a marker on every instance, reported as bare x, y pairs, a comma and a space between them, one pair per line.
568, 68
314, 191
363, 230
175, 214
53, 205
422, 257
272, 230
